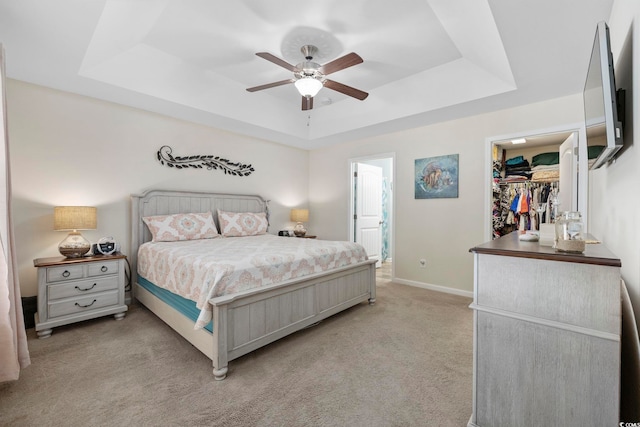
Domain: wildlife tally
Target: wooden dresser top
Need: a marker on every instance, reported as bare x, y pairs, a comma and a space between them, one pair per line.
509, 245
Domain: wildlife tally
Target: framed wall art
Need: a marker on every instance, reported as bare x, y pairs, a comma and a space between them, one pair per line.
436, 177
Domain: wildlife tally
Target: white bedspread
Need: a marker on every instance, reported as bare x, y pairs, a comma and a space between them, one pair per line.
203, 269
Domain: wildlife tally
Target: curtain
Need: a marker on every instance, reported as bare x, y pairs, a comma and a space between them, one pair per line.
14, 354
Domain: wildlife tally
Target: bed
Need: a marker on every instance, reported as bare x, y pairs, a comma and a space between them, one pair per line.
247, 318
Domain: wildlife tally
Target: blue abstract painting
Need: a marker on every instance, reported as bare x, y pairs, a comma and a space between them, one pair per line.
436, 177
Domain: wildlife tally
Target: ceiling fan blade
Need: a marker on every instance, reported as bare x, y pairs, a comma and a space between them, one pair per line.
270, 85
341, 63
272, 58
347, 90
307, 103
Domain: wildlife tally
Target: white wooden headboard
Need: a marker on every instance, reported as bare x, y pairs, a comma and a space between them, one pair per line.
168, 202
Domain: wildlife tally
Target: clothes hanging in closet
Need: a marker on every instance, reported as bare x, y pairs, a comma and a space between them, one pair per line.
521, 205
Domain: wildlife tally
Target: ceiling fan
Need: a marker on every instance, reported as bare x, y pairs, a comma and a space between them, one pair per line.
309, 77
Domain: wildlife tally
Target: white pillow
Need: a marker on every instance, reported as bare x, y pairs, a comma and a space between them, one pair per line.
179, 227
237, 224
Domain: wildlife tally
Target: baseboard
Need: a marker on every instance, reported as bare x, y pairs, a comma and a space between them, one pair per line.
438, 288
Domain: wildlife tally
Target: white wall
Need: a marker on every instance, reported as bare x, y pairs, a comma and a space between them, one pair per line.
613, 191
440, 230
614, 201
72, 150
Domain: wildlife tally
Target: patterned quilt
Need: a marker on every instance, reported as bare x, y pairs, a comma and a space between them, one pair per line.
203, 269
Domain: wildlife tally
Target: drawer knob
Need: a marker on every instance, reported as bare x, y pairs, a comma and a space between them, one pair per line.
88, 305
104, 268
66, 273
86, 289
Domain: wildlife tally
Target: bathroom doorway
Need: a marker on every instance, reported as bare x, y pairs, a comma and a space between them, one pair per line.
371, 212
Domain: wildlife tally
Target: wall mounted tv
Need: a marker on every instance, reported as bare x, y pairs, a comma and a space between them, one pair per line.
601, 99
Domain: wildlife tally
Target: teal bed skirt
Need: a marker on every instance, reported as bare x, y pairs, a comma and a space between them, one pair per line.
185, 306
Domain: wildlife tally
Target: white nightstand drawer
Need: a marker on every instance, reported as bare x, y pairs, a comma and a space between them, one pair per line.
68, 272
102, 268
82, 304
82, 287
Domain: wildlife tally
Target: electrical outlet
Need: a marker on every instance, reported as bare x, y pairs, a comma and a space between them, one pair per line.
423, 263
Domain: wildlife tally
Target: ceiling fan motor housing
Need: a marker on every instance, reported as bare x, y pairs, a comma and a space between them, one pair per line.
308, 69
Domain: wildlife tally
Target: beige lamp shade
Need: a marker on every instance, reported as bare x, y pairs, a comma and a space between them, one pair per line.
300, 215
75, 218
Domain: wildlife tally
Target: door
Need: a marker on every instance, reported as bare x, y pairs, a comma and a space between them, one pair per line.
568, 185
368, 206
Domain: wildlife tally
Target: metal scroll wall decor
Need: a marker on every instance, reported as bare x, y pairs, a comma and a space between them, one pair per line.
209, 162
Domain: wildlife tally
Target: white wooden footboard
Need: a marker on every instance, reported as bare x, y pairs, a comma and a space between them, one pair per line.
245, 322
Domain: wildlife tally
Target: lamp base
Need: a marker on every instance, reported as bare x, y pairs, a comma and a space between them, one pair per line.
74, 245
299, 230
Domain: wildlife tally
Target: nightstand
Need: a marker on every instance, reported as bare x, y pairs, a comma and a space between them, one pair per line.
75, 289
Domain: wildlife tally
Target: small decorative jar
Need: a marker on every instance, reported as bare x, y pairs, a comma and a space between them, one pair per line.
569, 232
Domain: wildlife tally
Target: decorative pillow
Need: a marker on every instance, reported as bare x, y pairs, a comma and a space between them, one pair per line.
178, 227
236, 224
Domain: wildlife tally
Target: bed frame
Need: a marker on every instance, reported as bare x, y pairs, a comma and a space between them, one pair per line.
246, 321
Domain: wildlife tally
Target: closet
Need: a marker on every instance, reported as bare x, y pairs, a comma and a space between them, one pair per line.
547, 162
525, 184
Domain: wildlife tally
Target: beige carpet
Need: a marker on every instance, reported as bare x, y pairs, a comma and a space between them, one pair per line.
406, 361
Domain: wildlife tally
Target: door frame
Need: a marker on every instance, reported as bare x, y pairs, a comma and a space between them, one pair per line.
352, 207
583, 168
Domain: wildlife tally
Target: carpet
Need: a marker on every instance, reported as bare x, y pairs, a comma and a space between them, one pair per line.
405, 361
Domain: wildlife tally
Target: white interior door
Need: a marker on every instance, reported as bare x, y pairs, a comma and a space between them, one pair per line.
368, 215
568, 185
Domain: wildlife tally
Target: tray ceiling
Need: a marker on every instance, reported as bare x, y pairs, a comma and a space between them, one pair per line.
424, 60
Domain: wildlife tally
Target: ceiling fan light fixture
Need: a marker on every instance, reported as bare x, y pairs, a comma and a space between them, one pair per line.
308, 86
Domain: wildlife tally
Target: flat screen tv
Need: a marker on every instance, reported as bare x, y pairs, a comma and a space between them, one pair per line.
600, 100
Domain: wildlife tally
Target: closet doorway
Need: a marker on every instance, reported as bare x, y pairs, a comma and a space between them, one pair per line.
371, 210
541, 168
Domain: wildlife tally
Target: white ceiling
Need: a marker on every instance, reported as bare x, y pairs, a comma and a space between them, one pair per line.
425, 61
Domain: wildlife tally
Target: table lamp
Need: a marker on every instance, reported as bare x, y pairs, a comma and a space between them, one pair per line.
299, 216
74, 218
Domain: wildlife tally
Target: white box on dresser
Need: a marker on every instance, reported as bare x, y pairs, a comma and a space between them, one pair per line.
546, 335
75, 289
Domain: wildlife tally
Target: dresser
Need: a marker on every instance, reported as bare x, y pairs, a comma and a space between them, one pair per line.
75, 289
546, 333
